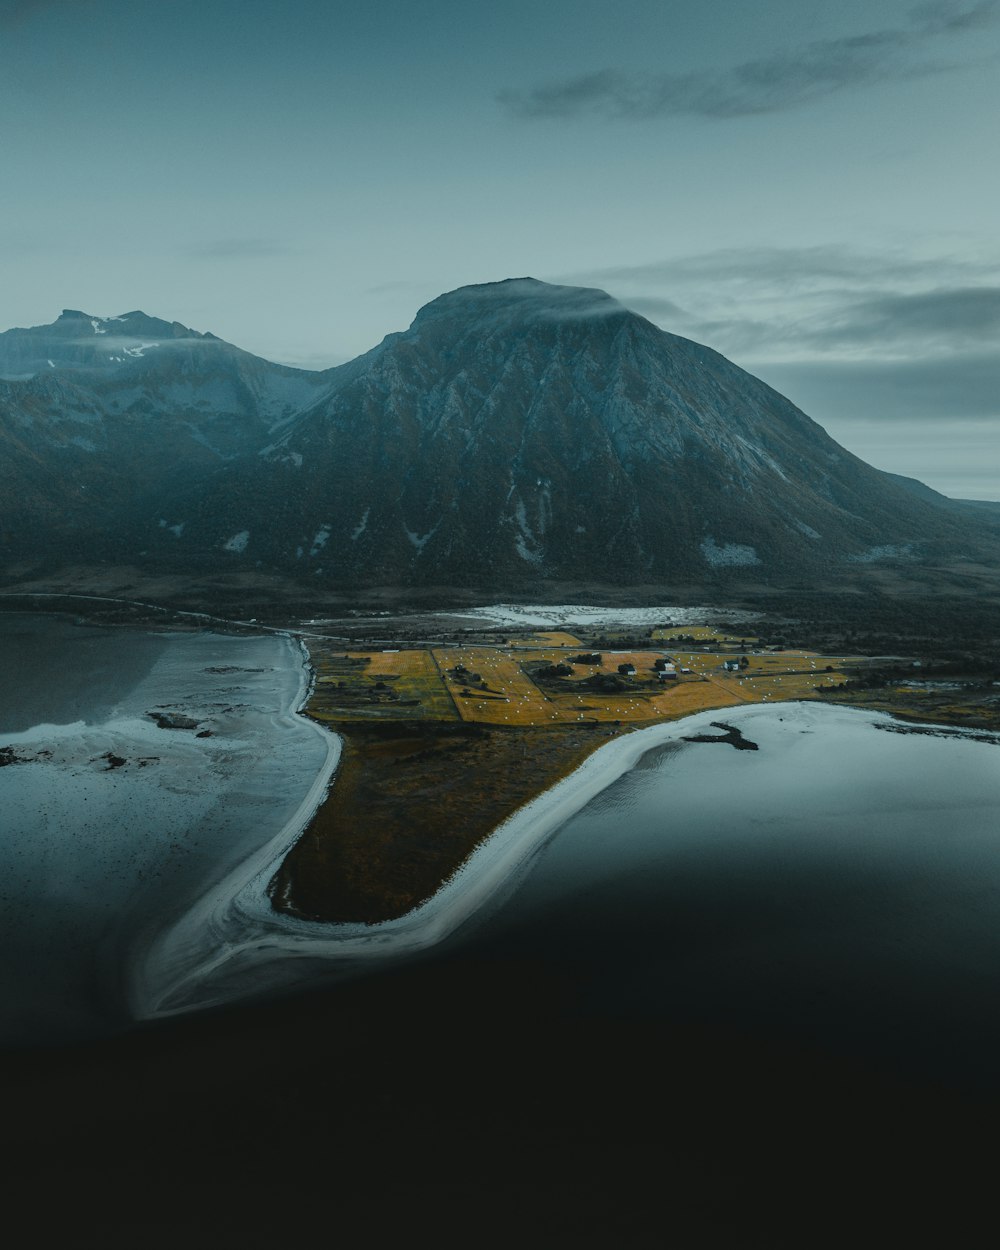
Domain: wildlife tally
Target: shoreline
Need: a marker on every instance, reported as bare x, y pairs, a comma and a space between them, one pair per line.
224, 941
259, 949
142, 770
173, 958
261, 953
242, 902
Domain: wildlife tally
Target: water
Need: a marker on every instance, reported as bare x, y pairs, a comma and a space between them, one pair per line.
56, 672
839, 888
112, 826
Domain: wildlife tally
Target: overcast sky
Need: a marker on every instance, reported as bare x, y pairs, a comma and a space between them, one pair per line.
812, 189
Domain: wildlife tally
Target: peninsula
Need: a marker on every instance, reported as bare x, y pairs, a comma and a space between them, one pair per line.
446, 735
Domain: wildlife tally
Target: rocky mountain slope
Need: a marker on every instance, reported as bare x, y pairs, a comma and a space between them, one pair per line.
517, 433
102, 422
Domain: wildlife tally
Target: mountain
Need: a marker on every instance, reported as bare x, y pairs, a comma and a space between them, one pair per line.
104, 420
517, 434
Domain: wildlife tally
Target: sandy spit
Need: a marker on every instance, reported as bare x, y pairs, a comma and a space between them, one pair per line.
233, 945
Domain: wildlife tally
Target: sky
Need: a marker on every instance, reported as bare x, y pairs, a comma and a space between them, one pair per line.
810, 189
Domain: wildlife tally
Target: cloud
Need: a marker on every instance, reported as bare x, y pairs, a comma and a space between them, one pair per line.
956, 388
942, 17
799, 303
128, 344
239, 249
802, 268
657, 308
893, 351
771, 84
944, 319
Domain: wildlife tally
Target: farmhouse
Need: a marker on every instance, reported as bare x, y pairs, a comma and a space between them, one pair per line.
627, 670
731, 666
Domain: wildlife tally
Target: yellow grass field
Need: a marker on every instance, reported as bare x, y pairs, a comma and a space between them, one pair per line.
548, 638
704, 633
413, 684
513, 698
411, 676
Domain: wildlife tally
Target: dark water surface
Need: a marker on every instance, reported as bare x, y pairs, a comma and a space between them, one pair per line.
55, 672
838, 889
743, 998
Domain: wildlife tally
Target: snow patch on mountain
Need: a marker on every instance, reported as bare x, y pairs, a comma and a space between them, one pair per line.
419, 541
276, 456
531, 555
729, 555
361, 526
525, 541
320, 539
238, 542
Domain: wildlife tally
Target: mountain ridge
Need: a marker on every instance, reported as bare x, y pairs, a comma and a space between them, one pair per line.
516, 433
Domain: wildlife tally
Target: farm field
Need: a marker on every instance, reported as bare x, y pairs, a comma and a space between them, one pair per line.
380, 685
771, 677
503, 686
441, 743
547, 638
515, 698
678, 635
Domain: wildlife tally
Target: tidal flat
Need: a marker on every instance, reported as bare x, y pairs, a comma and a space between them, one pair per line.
143, 768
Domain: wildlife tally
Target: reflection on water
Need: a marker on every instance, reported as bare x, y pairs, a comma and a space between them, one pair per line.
841, 887
56, 673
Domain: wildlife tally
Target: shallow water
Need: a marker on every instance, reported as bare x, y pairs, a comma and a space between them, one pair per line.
58, 672
111, 827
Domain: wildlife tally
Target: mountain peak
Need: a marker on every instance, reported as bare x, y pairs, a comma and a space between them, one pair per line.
527, 299
134, 322
80, 340
521, 433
